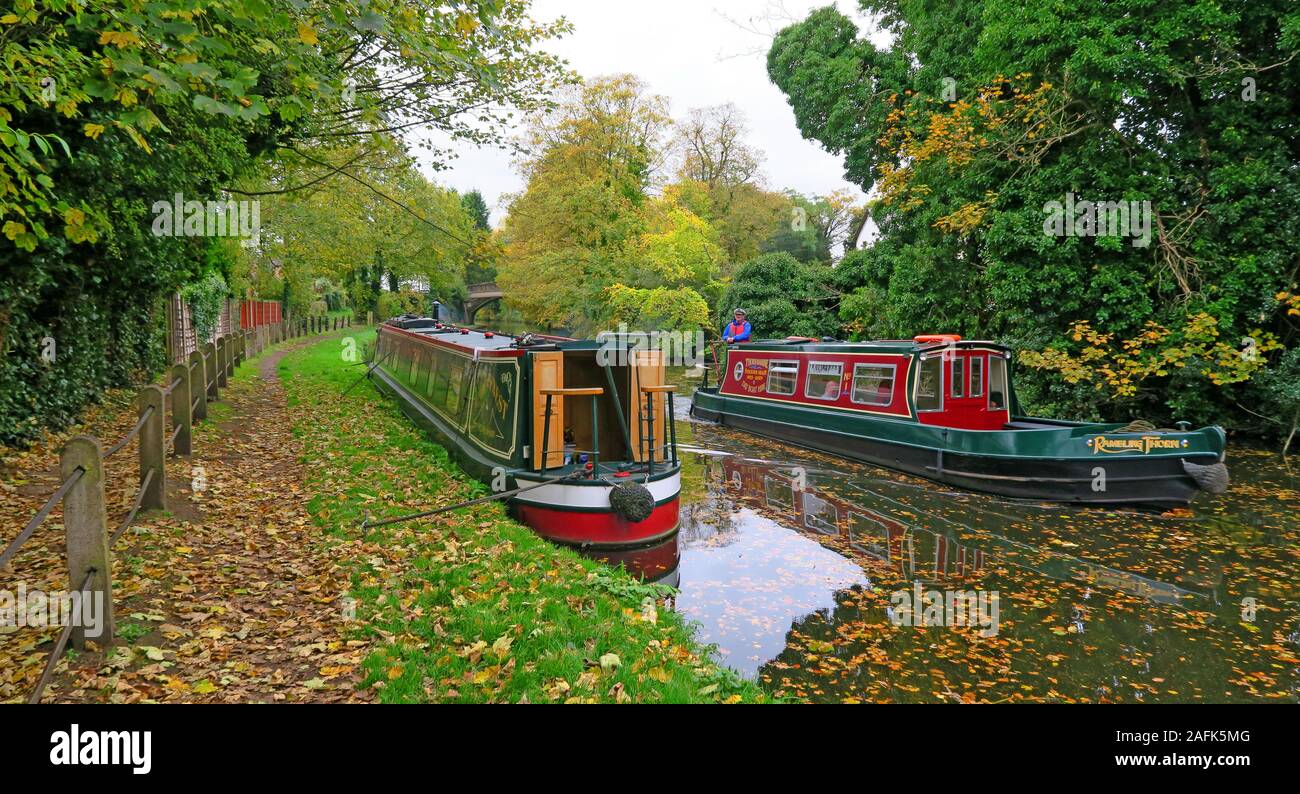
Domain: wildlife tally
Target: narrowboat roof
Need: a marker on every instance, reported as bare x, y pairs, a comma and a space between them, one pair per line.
885, 346
470, 338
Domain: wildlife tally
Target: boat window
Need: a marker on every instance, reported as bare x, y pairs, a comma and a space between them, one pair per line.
958, 376
438, 383
419, 370
435, 364
491, 419
997, 383
977, 376
823, 380
455, 374
929, 389
782, 376
873, 384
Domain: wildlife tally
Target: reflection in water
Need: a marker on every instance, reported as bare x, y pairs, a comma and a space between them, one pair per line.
657, 563
788, 567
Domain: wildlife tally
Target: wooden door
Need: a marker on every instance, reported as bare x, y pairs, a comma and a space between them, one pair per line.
647, 369
548, 373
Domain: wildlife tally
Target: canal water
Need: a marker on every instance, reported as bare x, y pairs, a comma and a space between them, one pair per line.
802, 570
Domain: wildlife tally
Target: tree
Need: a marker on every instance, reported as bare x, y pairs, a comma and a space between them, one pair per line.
713, 150
477, 209
783, 297
572, 232
109, 107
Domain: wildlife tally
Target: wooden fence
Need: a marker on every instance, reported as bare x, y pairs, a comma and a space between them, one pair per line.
191, 386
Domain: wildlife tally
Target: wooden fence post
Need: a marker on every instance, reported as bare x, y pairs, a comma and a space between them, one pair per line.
223, 352
181, 402
210, 365
85, 524
199, 384
153, 449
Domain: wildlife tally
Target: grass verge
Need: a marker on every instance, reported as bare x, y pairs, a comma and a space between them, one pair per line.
472, 606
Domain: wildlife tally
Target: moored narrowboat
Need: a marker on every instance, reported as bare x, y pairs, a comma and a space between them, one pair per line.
584, 441
943, 408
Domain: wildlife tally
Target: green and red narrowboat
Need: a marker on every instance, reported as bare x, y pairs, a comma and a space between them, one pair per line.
944, 408
584, 436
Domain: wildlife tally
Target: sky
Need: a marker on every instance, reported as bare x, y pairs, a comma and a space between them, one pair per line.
695, 52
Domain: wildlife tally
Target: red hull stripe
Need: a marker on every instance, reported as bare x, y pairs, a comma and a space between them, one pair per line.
599, 529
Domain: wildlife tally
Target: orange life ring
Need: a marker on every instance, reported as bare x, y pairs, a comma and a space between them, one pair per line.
924, 338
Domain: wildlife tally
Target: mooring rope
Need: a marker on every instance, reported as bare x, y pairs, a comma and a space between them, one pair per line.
504, 494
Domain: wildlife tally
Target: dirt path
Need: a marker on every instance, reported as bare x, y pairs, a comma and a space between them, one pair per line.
229, 596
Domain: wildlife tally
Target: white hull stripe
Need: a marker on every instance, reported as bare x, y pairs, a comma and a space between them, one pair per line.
591, 496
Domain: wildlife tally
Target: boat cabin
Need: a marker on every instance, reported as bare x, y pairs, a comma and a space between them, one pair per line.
492, 392
934, 380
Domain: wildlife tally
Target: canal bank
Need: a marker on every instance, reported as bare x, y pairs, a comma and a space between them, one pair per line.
470, 606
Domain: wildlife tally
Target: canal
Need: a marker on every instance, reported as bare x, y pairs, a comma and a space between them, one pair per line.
801, 569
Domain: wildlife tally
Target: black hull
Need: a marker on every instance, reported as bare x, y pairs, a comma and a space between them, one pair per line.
1156, 482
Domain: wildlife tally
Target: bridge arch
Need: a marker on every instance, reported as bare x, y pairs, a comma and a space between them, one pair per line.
481, 295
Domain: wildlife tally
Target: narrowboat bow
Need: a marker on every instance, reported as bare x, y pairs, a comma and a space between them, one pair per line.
944, 408
586, 437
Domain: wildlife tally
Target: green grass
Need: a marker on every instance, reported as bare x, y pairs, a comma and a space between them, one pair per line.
472, 606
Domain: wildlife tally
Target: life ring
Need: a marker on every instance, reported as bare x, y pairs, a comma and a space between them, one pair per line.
925, 338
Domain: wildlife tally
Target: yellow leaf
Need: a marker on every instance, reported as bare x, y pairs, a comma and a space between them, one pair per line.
8, 19
306, 34
93, 131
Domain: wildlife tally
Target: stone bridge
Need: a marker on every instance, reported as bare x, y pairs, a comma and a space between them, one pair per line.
480, 295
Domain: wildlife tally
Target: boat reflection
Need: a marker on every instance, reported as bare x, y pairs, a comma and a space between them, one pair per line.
900, 530
658, 563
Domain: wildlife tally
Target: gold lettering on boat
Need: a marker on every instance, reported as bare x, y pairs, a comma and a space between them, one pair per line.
1142, 444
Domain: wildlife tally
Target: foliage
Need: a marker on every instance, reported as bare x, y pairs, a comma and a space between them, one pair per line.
205, 299
406, 301
477, 209
782, 296
108, 107
1278, 388
1121, 369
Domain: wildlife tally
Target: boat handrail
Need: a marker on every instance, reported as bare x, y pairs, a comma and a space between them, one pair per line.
666, 389
592, 391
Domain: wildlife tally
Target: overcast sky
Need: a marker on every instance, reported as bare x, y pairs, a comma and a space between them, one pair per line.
696, 53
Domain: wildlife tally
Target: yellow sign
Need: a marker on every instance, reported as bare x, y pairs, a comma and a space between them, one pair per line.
1143, 445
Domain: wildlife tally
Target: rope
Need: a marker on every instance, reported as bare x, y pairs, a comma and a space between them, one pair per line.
57, 653
135, 507
368, 523
144, 417
369, 370
41, 515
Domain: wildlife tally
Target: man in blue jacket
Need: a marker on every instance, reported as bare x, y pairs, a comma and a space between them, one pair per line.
737, 330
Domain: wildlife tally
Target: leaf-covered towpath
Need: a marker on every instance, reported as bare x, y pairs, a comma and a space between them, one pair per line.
228, 596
